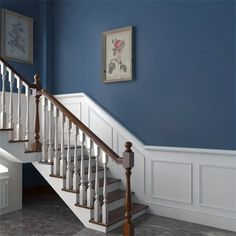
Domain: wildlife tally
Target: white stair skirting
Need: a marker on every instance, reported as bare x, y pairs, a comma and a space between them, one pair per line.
197, 185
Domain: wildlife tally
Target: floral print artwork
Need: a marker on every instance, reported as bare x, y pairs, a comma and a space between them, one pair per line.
116, 61
117, 55
16, 38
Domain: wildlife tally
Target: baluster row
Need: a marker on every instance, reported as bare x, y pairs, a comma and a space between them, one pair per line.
8, 76
74, 170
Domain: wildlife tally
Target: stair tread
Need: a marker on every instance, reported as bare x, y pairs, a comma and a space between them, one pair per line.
31, 151
6, 129
109, 181
111, 197
18, 141
118, 214
65, 148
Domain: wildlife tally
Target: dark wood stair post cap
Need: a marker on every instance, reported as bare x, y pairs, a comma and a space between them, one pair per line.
128, 146
36, 79
128, 156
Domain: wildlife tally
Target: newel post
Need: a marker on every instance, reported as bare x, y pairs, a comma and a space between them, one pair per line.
37, 146
128, 163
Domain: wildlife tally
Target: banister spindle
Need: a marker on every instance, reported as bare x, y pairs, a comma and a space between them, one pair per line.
68, 171
18, 122
11, 79
76, 164
63, 160
128, 164
50, 128
56, 157
27, 95
89, 189
37, 146
97, 206
3, 115
82, 185
104, 205
44, 145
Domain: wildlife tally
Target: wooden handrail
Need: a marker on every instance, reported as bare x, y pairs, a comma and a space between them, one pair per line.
16, 73
82, 126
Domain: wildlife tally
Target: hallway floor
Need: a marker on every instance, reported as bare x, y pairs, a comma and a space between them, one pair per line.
48, 215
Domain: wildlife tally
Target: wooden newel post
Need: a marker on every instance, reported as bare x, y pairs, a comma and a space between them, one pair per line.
128, 163
37, 146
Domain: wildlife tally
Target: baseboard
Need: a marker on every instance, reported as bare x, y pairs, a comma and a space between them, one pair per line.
198, 217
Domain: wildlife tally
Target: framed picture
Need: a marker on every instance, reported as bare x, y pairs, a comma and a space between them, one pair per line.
117, 55
16, 37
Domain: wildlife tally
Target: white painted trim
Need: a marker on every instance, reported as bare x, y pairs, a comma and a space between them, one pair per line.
142, 176
192, 150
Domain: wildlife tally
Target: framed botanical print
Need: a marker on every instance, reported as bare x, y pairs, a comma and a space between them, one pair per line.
16, 37
117, 55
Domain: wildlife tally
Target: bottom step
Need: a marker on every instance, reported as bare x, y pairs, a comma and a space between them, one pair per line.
118, 214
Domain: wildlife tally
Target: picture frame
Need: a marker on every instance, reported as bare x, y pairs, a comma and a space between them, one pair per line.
16, 37
117, 55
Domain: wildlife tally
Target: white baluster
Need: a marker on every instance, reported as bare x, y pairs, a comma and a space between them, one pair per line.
18, 122
11, 79
62, 161
104, 206
56, 157
90, 192
82, 185
27, 95
97, 206
3, 115
68, 171
44, 145
76, 164
50, 139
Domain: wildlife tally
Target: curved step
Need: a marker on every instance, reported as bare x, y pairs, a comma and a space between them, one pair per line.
117, 215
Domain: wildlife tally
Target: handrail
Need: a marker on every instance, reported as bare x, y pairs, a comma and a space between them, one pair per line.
128, 156
16, 73
82, 126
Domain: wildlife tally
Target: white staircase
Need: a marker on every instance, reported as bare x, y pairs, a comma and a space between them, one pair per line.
72, 159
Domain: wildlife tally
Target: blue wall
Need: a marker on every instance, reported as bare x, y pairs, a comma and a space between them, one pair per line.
36, 10
184, 91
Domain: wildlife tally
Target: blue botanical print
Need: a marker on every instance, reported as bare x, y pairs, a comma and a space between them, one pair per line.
16, 38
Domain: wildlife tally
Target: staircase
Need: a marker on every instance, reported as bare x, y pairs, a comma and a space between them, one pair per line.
72, 159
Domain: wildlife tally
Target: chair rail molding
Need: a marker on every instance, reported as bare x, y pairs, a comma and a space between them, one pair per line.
160, 172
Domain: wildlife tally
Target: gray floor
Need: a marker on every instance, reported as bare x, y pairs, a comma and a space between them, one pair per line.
48, 215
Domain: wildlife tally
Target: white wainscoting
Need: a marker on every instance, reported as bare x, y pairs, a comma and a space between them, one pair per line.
197, 185
10, 186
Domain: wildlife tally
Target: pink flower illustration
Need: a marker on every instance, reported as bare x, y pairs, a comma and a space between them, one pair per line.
116, 61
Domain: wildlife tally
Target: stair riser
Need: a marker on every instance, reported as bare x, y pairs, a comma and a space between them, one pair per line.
134, 216
116, 204
85, 164
72, 152
110, 188
100, 176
